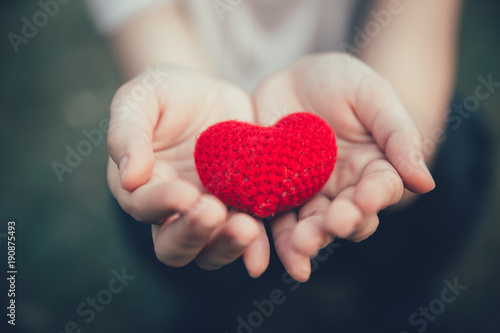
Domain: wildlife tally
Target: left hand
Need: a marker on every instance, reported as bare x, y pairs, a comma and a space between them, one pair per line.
152, 173
379, 152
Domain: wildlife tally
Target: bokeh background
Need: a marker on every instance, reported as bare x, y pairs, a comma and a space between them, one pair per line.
69, 236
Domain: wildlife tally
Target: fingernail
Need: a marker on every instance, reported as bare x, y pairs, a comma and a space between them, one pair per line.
424, 168
122, 167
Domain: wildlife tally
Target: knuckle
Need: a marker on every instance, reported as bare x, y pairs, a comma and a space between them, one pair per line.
282, 233
207, 266
373, 87
164, 257
356, 225
120, 93
370, 230
419, 137
128, 208
112, 138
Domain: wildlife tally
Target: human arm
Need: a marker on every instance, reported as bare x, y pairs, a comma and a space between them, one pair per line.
160, 34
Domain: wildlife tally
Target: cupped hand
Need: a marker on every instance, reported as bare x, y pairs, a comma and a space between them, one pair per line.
379, 152
155, 119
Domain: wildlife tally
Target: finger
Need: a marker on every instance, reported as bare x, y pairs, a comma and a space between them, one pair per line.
365, 229
256, 256
296, 264
343, 215
155, 201
310, 236
382, 113
179, 242
229, 242
347, 220
380, 186
130, 134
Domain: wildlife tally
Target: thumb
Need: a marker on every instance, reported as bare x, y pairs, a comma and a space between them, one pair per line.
378, 107
130, 137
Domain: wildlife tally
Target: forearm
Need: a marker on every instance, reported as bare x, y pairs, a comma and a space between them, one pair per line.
415, 52
159, 35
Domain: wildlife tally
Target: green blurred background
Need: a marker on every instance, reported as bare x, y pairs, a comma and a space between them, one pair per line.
68, 233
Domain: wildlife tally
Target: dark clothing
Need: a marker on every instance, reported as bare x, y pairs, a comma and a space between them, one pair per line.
372, 286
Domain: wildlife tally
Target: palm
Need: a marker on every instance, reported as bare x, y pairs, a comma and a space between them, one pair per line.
374, 133
152, 172
356, 147
175, 135
352, 159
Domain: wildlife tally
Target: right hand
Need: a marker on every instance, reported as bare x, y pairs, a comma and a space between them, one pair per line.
380, 152
155, 120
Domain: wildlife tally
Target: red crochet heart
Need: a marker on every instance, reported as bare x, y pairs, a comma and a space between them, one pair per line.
266, 170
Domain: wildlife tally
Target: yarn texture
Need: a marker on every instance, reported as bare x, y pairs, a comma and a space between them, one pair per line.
264, 171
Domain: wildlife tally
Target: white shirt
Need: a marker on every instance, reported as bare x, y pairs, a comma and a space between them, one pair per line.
247, 40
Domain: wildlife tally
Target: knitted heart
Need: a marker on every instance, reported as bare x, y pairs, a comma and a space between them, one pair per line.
266, 170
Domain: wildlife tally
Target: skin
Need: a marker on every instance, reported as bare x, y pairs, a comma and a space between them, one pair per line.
378, 152
381, 118
152, 174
